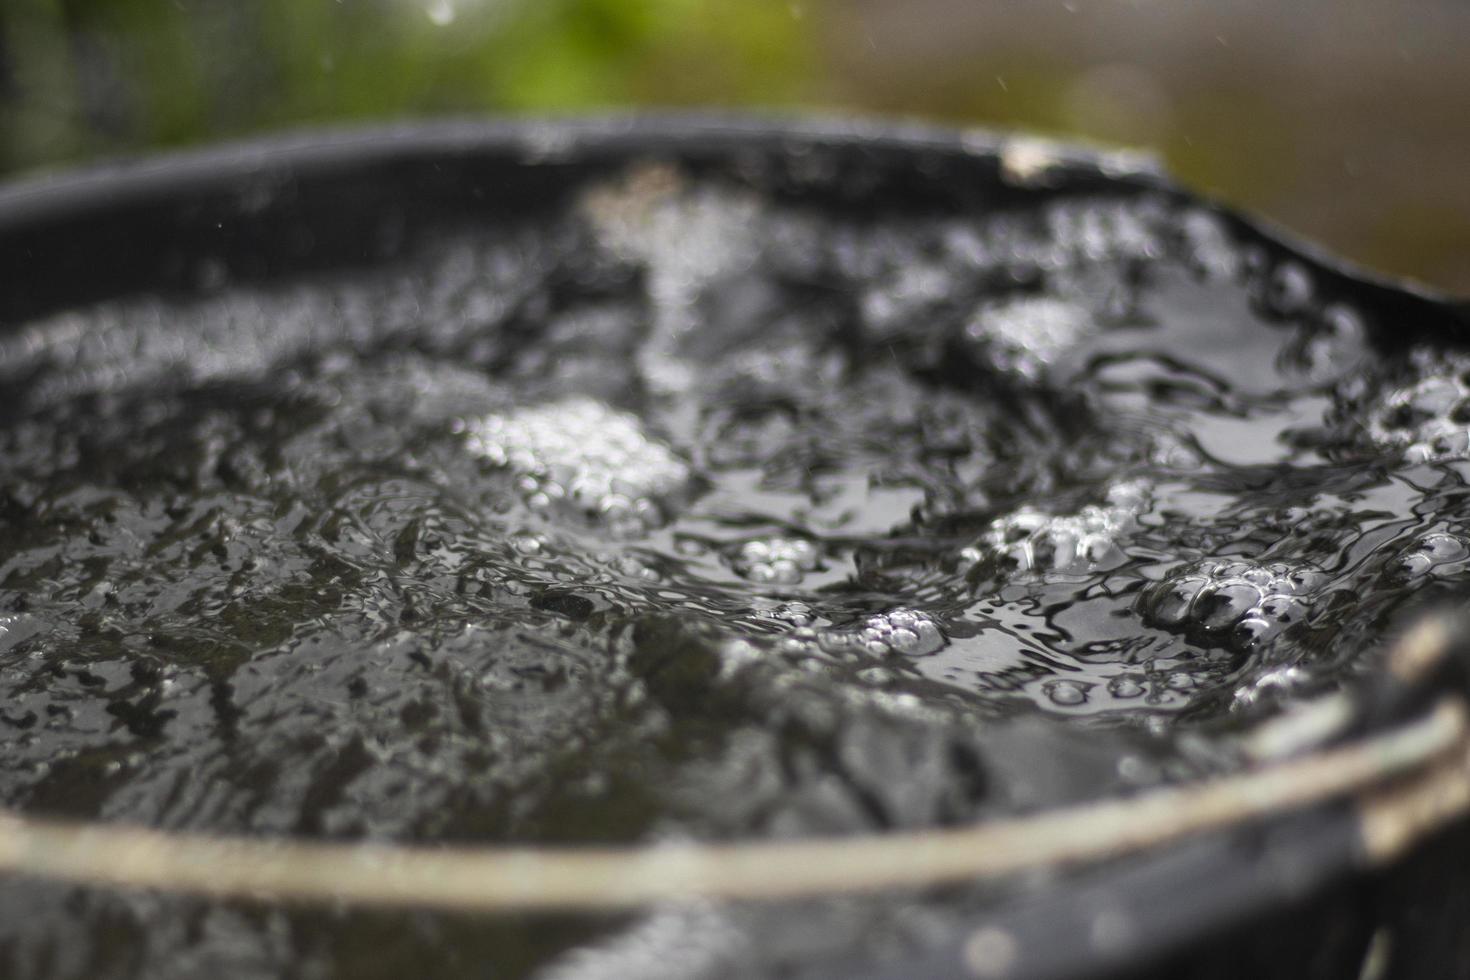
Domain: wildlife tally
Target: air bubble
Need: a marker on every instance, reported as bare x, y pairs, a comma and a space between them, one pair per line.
1067, 694
1444, 547
1126, 686
792, 613
1209, 246
1290, 290
632, 568
1279, 683
876, 676
528, 542
1334, 348
1181, 681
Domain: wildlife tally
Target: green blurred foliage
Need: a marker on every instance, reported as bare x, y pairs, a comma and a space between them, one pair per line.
84, 78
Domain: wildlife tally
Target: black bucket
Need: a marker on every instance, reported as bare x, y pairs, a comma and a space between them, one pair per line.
1340, 850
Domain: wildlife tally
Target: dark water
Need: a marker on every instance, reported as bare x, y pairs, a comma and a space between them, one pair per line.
686, 514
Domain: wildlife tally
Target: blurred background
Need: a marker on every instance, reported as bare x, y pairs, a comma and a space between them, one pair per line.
1348, 121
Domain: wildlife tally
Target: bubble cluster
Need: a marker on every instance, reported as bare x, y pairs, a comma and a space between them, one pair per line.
1103, 231
775, 561
1023, 337
582, 456
1429, 418
1029, 540
1278, 684
1434, 555
901, 631
1240, 604
898, 632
